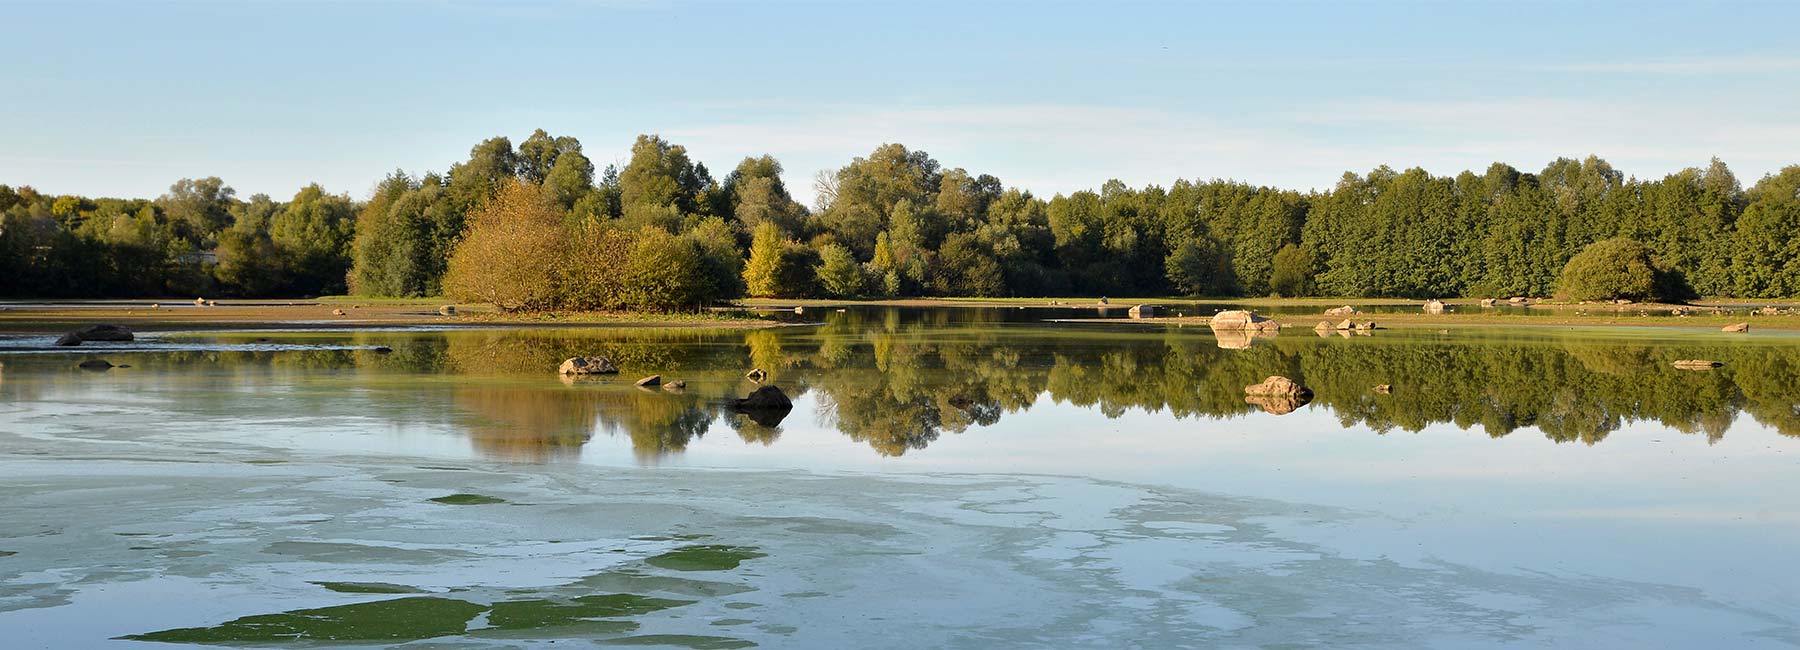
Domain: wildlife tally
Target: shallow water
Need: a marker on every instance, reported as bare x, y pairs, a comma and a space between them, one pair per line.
948, 478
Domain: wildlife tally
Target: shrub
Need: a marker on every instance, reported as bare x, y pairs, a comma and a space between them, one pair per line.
839, 274
1293, 272
1618, 268
510, 254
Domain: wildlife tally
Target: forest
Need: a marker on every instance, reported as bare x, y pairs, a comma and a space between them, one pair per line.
537, 227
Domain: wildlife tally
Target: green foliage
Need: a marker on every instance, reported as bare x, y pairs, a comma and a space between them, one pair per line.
839, 274
1198, 267
1616, 268
1292, 273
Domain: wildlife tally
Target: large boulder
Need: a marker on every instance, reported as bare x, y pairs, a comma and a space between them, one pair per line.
1279, 386
588, 366
1736, 327
1434, 306
104, 333
1345, 310
1240, 320
764, 397
1142, 311
69, 340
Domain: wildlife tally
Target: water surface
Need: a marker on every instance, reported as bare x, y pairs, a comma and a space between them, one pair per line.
958, 477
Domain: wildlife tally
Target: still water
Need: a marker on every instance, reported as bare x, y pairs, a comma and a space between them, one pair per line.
964, 478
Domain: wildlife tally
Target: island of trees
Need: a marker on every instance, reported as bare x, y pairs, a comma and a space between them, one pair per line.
537, 227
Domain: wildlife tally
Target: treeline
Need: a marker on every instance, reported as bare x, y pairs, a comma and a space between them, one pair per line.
537, 226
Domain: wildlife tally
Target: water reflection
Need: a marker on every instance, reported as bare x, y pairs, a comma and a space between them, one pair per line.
896, 379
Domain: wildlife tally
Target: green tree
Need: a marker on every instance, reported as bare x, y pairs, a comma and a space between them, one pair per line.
1615, 268
839, 274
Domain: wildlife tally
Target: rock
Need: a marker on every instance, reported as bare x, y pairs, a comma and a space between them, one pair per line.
1368, 327
1278, 404
1768, 311
104, 333
1622, 301
212, 303
1488, 302
1382, 389
799, 310
756, 374
1103, 300
447, 310
1345, 310
765, 397
199, 302
382, 349
156, 305
69, 340
652, 380
674, 386
1142, 311
1346, 325
1243, 321
1518, 300
95, 364
587, 366
1324, 326
1736, 327
1434, 306
337, 312
1697, 364
1277, 385
1239, 339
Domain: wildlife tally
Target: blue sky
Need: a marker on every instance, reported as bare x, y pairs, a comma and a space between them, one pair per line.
123, 98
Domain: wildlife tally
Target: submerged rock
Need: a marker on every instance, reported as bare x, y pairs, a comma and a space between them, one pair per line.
1488, 302
1434, 306
95, 364
69, 340
1241, 320
1345, 310
587, 366
674, 386
763, 398
1142, 311
104, 333
652, 380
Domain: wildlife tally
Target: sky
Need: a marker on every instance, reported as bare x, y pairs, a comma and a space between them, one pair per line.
124, 98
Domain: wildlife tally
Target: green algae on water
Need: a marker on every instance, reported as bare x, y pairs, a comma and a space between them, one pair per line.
466, 499
400, 619
542, 613
705, 557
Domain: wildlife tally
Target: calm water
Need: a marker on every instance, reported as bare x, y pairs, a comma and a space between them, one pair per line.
971, 478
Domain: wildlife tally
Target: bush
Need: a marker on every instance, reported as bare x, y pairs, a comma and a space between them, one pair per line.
1618, 268
665, 273
510, 254
839, 274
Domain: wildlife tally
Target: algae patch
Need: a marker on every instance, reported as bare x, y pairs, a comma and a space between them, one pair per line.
400, 619
467, 499
541, 613
705, 557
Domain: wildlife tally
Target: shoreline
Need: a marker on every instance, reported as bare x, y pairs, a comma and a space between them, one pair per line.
53, 316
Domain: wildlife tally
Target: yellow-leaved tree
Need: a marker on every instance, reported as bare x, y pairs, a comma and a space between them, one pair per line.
508, 256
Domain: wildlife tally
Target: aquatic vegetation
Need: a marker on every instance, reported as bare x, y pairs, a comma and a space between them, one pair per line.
542, 613
466, 499
705, 557
368, 588
400, 619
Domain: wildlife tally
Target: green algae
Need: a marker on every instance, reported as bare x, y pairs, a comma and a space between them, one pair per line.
467, 499
705, 557
400, 619
536, 614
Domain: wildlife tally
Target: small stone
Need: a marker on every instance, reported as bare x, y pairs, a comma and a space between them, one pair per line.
1382, 389
95, 364
337, 312
447, 310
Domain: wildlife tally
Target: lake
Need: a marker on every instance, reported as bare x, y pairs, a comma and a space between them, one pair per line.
948, 477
